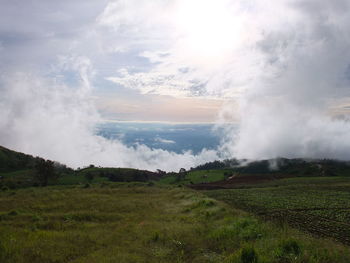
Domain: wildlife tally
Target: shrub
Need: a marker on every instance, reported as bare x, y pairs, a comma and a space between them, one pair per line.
288, 250
204, 203
5, 188
231, 235
248, 255
13, 213
155, 237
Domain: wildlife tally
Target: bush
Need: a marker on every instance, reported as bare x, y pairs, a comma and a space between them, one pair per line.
5, 188
231, 235
13, 213
248, 255
288, 250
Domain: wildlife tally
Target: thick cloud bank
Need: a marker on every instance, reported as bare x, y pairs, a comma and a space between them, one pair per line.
285, 64
283, 67
48, 119
52, 59
296, 105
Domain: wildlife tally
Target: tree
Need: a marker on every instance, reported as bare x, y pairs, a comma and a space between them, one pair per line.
45, 170
181, 175
160, 172
89, 176
182, 170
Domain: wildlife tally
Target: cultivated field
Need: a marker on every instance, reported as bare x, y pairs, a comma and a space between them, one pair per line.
319, 205
135, 222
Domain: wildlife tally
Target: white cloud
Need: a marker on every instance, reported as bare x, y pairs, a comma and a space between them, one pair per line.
284, 62
286, 111
161, 140
160, 83
46, 118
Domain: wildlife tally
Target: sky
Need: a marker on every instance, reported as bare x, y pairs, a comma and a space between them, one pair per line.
278, 69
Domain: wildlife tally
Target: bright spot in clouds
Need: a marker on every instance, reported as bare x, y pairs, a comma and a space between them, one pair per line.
209, 28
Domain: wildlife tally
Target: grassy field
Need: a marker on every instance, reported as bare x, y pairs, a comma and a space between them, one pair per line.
195, 177
78, 179
319, 205
135, 222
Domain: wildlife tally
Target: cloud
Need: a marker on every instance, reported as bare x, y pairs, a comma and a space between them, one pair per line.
161, 140
47, 118
160, 83
282, 67
286, 66
305, 71
182, 63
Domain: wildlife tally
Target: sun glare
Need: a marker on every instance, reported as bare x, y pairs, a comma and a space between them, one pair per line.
208, 28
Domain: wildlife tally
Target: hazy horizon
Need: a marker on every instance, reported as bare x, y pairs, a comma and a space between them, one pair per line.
175, 137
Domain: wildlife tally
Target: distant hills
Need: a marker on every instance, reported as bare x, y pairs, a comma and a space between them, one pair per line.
18, 170
294, 167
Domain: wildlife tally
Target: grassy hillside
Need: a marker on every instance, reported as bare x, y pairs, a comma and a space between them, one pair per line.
196, 176
119, 174
12, 161
18, 170
291, 167
132, 222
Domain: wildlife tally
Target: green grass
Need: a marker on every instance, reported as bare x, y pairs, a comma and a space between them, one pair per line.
195, 177
136, 222
17, 179
98, 170
78, 179
19, 173
317, 205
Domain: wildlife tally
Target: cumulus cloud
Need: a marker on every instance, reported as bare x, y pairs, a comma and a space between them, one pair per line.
49, 119
46, 86
160, 83
286, 66
286, 112
283, 68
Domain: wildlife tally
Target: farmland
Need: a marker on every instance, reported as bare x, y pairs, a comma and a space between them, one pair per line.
141, 222
319, 205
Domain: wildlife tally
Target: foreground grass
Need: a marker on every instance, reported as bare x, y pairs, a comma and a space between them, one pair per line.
144, 223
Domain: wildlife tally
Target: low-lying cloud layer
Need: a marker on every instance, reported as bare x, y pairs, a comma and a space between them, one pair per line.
283, 69
59, 123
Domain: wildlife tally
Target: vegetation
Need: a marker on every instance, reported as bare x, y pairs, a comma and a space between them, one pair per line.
100, 214
45, 170
319, 205
195, 177
118, 174
12, 161
18, 170
115, 222
294, 167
